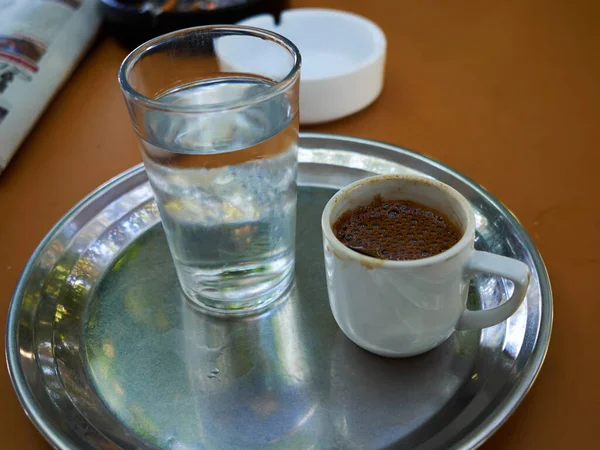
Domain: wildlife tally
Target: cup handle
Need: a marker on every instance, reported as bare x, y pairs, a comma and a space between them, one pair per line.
511, 269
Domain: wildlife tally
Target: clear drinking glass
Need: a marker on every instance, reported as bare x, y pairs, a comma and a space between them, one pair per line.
216, 112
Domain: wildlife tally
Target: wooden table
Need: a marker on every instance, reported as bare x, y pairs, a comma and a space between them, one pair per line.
507, 93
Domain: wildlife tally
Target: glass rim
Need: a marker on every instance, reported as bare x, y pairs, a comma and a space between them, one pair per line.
135, 56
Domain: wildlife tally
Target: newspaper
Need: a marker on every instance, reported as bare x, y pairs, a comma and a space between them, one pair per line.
41, 41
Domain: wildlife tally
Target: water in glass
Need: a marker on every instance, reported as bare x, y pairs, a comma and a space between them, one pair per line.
226, 189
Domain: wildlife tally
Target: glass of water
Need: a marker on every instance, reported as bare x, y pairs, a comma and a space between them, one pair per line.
216, 112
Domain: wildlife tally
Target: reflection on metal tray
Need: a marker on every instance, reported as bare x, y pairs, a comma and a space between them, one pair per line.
105, 353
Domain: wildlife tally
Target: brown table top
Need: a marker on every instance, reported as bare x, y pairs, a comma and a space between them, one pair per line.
507, 93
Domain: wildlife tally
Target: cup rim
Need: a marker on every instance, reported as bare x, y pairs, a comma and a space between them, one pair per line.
240, 30
344, 252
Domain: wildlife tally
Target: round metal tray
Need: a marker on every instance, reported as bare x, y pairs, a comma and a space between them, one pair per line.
104, 352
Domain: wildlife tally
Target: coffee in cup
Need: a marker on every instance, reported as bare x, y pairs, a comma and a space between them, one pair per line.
399, 230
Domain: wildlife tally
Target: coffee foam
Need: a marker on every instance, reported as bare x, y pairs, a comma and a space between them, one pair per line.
396, 230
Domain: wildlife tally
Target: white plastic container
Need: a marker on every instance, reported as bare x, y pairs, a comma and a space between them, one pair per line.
343, 59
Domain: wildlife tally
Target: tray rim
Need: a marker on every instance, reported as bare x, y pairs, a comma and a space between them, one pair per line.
475, 439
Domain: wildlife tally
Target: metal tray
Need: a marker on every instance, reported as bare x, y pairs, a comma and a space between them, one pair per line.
104, 352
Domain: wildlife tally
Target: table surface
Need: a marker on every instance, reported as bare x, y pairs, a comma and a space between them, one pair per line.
507, 93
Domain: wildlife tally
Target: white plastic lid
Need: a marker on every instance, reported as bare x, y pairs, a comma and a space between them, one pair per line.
343, 58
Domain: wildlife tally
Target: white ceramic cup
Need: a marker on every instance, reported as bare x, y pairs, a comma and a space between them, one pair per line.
403, 308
